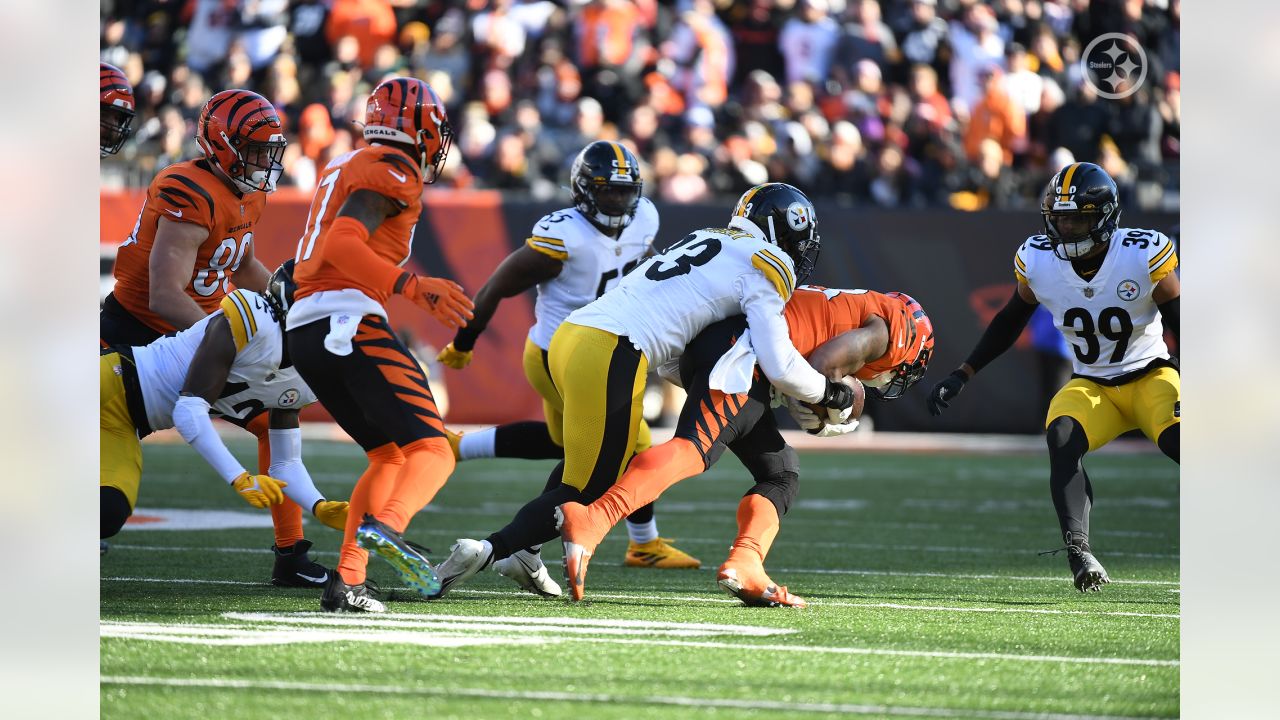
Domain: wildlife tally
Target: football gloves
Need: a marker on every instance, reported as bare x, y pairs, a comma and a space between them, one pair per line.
942, 394
826, 424
444, 299
452, 357
259, 490
332, 513
838, 396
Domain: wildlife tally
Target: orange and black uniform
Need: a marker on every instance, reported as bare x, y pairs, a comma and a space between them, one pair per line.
815, 315
187, 192
378, 393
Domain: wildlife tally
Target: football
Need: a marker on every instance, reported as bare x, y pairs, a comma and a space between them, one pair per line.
859, 401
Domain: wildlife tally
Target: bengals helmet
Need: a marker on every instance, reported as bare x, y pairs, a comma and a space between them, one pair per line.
605, 184
280, 290
893, 383
787, 219
116, 109
406, 110
1081, 210
240, 132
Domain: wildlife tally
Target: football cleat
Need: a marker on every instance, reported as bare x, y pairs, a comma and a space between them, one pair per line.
466, 558
332, 513
455, 443
659, 553
754, 588
580, 536
404, 558
294, 569
1088, 573
526, 569
341, 597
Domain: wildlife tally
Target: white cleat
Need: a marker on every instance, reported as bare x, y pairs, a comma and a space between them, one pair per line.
466, 559
527, 570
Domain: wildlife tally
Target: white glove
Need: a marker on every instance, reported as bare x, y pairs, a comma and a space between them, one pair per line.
837, 422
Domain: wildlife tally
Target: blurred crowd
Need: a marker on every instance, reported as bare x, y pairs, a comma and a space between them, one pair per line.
892, 103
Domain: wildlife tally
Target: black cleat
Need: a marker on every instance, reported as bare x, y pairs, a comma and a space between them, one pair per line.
294, 569
341, 597
1088, 572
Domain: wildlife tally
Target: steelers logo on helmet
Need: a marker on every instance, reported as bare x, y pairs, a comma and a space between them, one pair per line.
798, 216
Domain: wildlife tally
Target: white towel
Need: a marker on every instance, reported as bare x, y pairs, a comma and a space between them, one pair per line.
733, 371
342, 327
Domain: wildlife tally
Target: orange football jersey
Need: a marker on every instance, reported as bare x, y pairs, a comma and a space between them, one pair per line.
188, 192
815, 315
382, 169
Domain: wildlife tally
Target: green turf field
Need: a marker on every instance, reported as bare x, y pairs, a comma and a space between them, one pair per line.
927, 599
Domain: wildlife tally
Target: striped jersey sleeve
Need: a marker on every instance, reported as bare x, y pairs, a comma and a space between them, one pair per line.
1162, 258
238, 309
776, 270
551, 247
1020, 264
179, 198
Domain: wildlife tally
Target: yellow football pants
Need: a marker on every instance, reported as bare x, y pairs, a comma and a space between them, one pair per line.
538, 373
1147, 404
600, 380
120, 453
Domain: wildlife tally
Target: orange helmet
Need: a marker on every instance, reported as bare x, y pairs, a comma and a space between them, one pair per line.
240, 132
894, 383
117, 111
406, 110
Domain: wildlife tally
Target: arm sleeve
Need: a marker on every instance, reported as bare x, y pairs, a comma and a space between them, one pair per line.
777, 357
191, 418
1169, 316
286, 464
1003, 331
346, 246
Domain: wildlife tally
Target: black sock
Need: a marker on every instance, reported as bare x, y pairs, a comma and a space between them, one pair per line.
641, 516
534, 524
529, 440
113, 511
1068, 483
1170, 442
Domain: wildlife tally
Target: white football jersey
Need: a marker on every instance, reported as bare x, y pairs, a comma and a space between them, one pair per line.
1111, 321
256, 380
593, 262
708, 276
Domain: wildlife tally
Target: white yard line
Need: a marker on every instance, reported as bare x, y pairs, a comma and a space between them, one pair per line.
551, 696
719, 600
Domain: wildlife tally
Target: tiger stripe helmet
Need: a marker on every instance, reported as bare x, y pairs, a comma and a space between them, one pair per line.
116, 109
605, 184
406, 110
919, 343
240, 133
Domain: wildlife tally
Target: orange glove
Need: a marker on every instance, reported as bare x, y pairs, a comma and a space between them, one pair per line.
444, 299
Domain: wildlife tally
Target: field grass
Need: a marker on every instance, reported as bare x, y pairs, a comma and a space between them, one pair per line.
927, 600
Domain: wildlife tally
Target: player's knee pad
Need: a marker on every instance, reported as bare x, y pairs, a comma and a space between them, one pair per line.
1170, 442
1065, 436
779, 489
113, 511
763, 465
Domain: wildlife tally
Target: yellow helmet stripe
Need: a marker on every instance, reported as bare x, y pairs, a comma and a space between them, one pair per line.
623, 165
1064, 194
745, 201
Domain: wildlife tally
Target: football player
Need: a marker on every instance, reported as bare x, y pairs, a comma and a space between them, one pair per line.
600, 355
193, 238
358, 235
1113, 292
572, 256
115, 110
230, 364
884, 340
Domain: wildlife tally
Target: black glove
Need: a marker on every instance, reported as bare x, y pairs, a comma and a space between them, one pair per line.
943, 392
838, 396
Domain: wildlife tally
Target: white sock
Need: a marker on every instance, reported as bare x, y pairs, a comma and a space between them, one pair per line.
643, 532
478, 444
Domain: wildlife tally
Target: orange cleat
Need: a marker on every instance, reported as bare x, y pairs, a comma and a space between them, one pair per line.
580, 537
753, 587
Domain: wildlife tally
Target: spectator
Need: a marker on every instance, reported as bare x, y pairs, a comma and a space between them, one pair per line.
687, 183
995, 117
975, 45
262, 30
807, 42
866, 37
842, 173
371, 22
1023, 86
925, 35
755, 27
700, 46
1079, 124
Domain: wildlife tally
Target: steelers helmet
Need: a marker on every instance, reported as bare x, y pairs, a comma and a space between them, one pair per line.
786, 217
1085, 196
605, 184
280, 290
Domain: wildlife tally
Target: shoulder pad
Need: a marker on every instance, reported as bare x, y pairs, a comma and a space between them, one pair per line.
776, 267
179, 196
386, 171
246, 313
